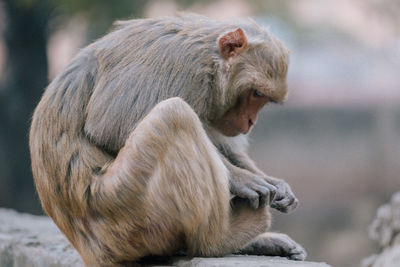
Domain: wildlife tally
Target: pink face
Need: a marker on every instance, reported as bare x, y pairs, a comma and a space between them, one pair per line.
243, 115
240, 118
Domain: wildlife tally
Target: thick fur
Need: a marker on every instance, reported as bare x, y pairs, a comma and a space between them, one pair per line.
126, 173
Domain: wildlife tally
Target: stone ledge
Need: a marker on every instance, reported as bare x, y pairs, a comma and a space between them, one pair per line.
34, 241
246, 261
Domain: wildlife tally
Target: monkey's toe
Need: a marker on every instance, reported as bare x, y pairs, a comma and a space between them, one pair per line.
298, 254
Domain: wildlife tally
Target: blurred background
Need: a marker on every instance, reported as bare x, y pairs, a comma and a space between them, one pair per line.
336, 140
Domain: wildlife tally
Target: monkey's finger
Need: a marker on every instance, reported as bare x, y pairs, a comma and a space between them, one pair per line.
254, 202
282, 191
294, 204
274, 206
279, 205
264, 195
280, 194
251, 195
272, 189
253, 198
285, 205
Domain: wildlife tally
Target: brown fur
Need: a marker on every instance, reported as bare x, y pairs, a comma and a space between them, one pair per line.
124, 154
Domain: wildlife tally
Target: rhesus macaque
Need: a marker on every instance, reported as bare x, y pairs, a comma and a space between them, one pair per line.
139, 146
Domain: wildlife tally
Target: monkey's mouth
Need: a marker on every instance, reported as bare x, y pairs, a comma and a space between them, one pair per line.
251, 123
245, 126
237, 126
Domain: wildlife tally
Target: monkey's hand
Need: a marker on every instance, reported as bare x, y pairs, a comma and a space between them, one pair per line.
258, 192
285, 200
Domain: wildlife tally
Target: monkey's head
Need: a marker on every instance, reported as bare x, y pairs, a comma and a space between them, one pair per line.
252, 73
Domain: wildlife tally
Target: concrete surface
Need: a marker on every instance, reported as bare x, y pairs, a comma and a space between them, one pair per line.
34, 241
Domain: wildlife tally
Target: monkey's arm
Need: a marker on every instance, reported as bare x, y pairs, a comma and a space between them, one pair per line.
244, 173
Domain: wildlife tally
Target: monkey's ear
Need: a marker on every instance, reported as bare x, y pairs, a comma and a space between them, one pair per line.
232, 43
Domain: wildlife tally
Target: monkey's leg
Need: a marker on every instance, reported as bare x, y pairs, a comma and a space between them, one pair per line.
191, 187
187, 200
275, 244
168, 189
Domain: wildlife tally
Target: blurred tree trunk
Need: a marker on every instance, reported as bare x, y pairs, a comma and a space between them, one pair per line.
25, 75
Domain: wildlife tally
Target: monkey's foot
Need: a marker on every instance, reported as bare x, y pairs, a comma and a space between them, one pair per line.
275, 244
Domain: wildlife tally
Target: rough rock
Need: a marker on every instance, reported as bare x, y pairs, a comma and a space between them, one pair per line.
27, 240
35, 241
385, 230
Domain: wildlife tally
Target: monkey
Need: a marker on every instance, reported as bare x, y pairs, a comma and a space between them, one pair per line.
139, 147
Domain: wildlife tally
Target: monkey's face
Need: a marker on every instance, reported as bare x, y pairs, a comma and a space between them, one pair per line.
255, 76
243, 115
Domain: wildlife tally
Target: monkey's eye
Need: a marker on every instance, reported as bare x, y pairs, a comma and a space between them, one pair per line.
257, 93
